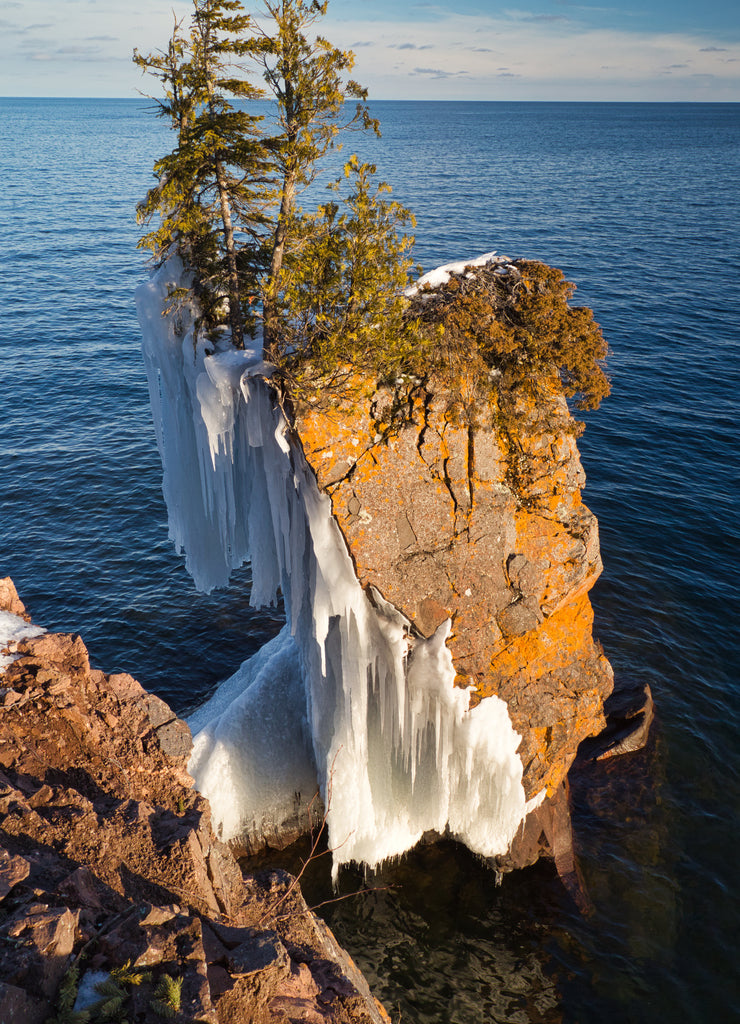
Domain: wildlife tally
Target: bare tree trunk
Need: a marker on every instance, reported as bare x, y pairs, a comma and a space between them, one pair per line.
272, 290
235, 312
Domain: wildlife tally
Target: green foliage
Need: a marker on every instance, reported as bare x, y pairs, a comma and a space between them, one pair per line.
343, 300
212, 180
305, 78
167, 997
508, 336
111, 1006
226, 194
114, 994
65, 1012
128, 975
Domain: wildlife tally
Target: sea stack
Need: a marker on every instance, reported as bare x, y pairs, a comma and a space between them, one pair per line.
437, 671
439, 520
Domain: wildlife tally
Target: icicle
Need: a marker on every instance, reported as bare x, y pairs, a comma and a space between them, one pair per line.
343, 693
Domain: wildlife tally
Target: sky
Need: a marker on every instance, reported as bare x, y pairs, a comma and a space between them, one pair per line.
660, 50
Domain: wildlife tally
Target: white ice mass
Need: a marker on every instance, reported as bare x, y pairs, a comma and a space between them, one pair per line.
13, 629
346, 692
441, 275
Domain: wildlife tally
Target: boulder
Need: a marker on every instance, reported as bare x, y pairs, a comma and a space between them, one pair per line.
9, 600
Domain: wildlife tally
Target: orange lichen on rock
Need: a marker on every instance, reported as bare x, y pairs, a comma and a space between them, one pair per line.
439, 518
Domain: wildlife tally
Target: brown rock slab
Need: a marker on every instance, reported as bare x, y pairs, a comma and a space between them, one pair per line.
518, 618
259, 950
42, 939
175, 739
12, 871
9, 600
17, 1006
296, 997
628, 725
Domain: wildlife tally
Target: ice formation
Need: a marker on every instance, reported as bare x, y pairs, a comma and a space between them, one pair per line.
441, 275
347, 691
13, 629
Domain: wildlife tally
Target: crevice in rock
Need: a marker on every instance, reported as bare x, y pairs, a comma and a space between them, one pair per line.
471, 465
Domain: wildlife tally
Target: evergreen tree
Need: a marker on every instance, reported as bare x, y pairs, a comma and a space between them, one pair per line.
344, 284
211, 184
305, 78
331, 283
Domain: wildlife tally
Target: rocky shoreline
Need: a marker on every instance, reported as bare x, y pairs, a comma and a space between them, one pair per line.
116, 897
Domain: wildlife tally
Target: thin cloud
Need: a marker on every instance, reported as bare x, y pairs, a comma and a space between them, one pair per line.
713, 49
544, 17
527, 18
63, 53
22, 30
438, 73
75, 50
594, 10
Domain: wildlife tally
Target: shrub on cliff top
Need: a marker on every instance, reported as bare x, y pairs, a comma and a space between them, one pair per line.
506, 334
345, 279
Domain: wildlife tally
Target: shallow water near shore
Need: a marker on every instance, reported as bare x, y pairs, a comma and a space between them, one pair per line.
640, 206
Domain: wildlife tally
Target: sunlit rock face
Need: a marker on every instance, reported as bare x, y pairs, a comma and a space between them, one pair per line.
437, 670
436, 523
350, 693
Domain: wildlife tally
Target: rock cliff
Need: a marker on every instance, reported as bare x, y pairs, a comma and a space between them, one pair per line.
114, 891
435, 556
444, 522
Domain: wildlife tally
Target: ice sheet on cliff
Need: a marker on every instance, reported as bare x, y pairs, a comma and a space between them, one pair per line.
13, 629
346, 686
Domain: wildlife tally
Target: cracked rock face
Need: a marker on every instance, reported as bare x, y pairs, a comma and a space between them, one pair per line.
436, 521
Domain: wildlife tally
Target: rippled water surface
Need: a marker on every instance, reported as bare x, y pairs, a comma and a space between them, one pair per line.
640, 206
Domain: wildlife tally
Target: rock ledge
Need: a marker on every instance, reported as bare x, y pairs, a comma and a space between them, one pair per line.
112, 880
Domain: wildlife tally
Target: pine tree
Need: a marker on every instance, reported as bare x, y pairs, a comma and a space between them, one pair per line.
344, 284
305, 79
214, 178
227, 195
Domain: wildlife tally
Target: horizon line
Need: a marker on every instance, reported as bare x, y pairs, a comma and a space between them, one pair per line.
593, 103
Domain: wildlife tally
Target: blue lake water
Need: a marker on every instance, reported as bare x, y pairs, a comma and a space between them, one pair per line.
639, 204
